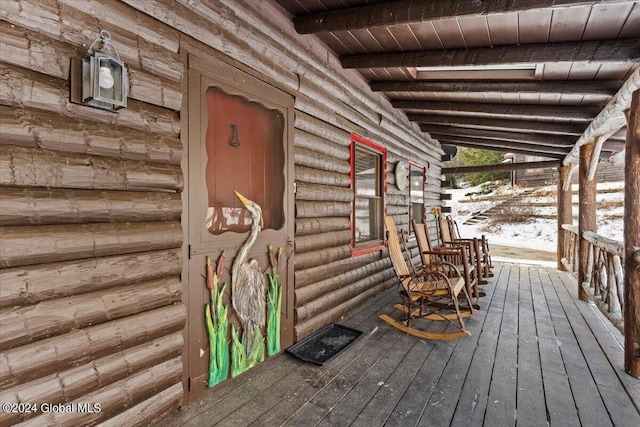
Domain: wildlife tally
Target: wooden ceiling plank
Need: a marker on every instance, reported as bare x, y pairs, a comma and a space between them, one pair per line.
556, 71
567, 24
555, 87
620, 50
427, 36
475, 31
448, 31
606, 21
503, 29
410, 11
541, 112
505, 125
534, 26
631, 28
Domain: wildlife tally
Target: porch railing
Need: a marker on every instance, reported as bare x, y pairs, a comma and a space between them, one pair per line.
604, 278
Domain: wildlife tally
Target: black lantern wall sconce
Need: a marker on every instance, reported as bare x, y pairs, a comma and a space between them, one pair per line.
100, 80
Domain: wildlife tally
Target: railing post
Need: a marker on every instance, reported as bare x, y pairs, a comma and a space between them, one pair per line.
587, 216
565, 212
632, 240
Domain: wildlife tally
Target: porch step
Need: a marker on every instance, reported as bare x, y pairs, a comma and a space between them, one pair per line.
482, 216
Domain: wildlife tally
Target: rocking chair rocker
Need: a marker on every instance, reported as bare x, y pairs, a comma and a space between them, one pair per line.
427, 293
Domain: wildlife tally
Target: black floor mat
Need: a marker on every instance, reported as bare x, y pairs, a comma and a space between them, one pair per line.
325, 344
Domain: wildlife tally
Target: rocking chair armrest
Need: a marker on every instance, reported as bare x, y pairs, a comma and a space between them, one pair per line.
414, 275
444, 251
436, 267
471, 240
458, 243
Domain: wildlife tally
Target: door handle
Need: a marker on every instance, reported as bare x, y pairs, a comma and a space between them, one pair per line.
290, 248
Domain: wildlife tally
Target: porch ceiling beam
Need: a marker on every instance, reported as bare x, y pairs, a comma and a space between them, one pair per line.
410, 11
503, 145
530, 151
610, 119
574, 130
502, 167
595, 87
620, 50
551, 113
545, 140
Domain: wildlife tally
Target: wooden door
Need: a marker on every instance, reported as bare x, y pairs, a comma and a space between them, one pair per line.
240, 140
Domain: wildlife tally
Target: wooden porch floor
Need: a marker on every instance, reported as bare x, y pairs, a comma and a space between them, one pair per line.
537, 357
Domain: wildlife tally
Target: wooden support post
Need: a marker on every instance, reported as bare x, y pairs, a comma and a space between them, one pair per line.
632, 240
587, 216
565, 212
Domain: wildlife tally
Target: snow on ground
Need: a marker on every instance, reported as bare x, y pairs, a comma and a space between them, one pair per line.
539, 233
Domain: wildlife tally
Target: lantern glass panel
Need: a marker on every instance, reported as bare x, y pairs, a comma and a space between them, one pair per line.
109, 79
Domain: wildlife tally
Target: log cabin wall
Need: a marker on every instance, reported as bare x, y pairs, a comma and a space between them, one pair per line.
91, 231
90, 252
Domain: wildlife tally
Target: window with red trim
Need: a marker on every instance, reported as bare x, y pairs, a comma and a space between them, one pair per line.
368, 162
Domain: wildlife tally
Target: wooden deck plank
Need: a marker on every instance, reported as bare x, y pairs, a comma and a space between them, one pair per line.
410, 408
501, 407
446, 396
300, 407
475, 392
323, 402
292, 387
591, 409
611, 342
329, 400
349, 406
391, 391
530, 403
615, 397
536, 354
561, 407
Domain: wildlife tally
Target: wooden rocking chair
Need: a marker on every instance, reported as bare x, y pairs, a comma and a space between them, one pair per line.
457, 255
472, 245
483, 242
449, 236
427, 293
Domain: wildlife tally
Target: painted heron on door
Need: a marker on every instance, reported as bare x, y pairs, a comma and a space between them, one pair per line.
248, 283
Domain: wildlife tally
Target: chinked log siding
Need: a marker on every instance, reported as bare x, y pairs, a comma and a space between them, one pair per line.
33, 284
93, 198
61, 315
133, 389
51, 243
81, 346
337, 281
20, 166
33, 128
42, 206
90, 220
26, 89
82, 379
306, 226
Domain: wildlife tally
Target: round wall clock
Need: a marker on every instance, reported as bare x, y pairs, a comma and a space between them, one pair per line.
402, 177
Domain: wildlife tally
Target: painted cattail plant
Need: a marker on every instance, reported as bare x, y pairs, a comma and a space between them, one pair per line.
274, 302
217, 325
